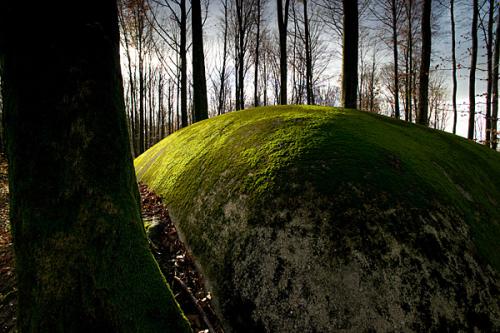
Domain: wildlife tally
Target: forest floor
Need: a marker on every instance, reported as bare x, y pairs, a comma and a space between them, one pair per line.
8, 289
174, 260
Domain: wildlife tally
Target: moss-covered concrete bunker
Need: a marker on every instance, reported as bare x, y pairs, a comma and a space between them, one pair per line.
311, 219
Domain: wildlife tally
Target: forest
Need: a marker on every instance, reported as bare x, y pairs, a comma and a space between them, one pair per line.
249, 166
246, 50
243, 52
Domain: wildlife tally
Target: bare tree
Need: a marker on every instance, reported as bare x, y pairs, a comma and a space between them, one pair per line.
200, 101
472, 75
258, 22
282, 29
389, 15
220, 83
489, 56
243, 21
454, 65
423, 101
350, 54
309, 69
438, 115
494, 112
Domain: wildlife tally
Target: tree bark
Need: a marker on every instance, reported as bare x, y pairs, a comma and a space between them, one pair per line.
425, 62
350, 54
183, 67
309, 69
282, 29
257, 55
454, 66
396, 58
240, 48
222, 91
410, 79
200, 101
489, 56
82, 260
472, 75
494, 111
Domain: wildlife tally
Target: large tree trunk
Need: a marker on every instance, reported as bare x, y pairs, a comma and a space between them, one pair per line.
454, 66
200, 102
425, 62
472, 75
350, 54
282, 29
82, 259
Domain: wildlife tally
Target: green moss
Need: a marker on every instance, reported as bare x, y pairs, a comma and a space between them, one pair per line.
263, 153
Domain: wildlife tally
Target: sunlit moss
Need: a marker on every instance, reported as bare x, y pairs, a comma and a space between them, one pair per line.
255, 150
291, 173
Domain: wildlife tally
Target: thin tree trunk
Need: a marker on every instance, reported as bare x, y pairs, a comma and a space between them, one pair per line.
183, 69
200, 101
264, 69
149, 127
83, 263
423, 102
257, 55
396, 58
372, 82
472, 76
131, 84
494, 112
350, 54
309, 69
454, 66
142, 124
236, 70
241, 61
489, 56
222, 90
161, 110
411, 80
295, 86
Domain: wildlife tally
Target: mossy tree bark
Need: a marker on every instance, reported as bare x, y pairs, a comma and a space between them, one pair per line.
83, 262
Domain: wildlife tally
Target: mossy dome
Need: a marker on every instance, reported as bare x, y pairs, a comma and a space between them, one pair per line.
313, 219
